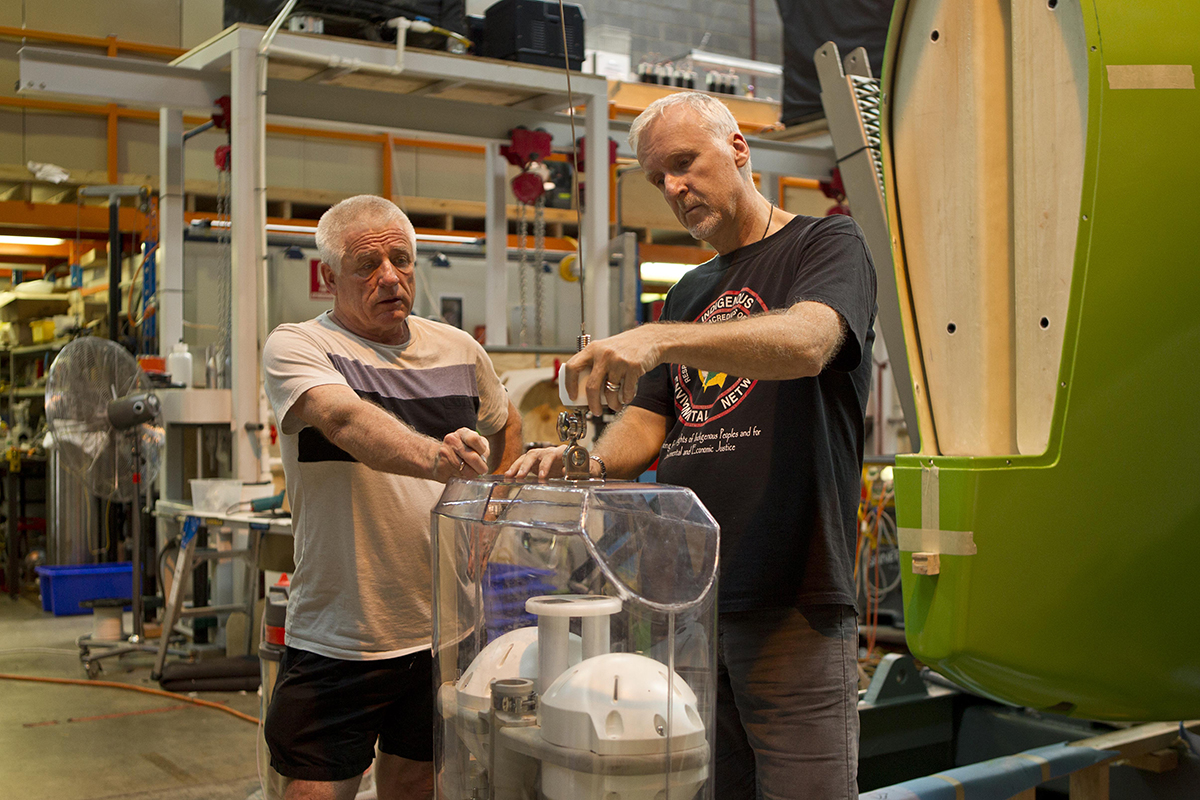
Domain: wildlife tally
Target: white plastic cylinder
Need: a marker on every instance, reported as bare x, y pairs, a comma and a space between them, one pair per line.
595, 636
179, 365
552, 649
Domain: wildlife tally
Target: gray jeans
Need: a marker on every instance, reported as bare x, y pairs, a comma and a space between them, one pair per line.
787, 704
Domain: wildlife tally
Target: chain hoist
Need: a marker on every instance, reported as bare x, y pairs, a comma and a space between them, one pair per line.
223, 158
528, 150
522, 270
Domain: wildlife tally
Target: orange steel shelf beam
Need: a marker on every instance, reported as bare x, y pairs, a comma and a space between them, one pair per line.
110, 44
66, 215
798, 183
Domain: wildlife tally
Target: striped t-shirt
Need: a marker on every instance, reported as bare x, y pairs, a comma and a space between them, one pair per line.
362, 586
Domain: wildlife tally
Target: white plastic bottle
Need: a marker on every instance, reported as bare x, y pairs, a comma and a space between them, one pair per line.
179, 365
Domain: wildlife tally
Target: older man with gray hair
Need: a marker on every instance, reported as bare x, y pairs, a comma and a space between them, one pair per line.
377, 409
752, 391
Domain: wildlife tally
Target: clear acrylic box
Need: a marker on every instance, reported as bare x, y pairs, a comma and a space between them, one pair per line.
564, 616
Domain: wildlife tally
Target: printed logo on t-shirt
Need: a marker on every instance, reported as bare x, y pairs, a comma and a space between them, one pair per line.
702, 396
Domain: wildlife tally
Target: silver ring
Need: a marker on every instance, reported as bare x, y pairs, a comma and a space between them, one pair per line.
612, 387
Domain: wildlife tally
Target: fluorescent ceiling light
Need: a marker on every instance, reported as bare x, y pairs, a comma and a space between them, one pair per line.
276, 228
664, 271
734, 63
39, 240
437, 237
271, 226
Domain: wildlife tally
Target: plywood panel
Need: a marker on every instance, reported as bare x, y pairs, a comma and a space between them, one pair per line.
810, 202
9, 71
137, 149
198, 162
337, 166
951, 137
404, 171
199, 21
148, 21
12, 137
450, 175
11, 14
70, 141
1049, 107
285, 161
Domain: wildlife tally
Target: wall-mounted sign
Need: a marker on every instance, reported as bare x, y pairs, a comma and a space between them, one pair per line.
317, 288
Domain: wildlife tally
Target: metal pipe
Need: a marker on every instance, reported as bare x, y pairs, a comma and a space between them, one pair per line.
114, 267
260, 207
199, 129
753, 32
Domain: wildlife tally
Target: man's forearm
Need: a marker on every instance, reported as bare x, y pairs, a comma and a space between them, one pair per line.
381, 441
631, 443
506, 445
796, 343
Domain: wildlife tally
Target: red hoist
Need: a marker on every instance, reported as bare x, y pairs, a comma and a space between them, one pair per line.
527, 151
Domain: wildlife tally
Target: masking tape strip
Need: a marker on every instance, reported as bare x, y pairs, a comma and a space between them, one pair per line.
959, 792
1045, 765
1151, 76
931, 540
930, 499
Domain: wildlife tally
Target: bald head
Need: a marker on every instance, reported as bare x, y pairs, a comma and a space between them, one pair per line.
353, 215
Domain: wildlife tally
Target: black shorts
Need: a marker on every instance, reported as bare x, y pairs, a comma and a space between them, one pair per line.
326, 714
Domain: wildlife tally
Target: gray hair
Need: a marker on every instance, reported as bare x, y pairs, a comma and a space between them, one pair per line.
715, 118
364, 210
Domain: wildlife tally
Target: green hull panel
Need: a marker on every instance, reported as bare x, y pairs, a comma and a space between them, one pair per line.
1083, 595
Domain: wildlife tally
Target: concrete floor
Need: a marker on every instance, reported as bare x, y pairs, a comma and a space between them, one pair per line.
81, 742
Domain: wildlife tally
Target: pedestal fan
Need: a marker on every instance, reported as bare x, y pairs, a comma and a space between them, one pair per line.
108, 429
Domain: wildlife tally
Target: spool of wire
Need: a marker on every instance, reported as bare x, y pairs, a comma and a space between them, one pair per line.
106, 624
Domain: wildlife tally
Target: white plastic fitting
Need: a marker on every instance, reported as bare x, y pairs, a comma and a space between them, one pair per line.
554, 614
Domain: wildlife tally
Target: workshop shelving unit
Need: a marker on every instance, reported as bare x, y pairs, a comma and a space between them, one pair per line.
353, 83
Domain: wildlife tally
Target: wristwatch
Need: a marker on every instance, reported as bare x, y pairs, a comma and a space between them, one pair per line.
603, 469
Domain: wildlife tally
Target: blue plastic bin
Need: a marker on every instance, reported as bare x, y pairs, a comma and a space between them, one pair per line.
63, 588
505, 589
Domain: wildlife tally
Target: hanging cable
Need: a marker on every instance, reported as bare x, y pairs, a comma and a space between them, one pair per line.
562, 17
129, 306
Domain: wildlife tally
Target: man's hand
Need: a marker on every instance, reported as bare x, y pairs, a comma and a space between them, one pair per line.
462, 454
547, 462
616, 363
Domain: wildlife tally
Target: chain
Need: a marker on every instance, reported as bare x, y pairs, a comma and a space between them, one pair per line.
522, 263
224, 277
868, 95
539, 248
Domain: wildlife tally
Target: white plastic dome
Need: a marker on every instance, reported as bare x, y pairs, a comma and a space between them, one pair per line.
617, 704
513, 655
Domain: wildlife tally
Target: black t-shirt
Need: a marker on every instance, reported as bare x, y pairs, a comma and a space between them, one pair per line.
777, 463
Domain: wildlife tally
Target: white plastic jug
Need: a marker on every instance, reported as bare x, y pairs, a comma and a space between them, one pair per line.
179, 365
